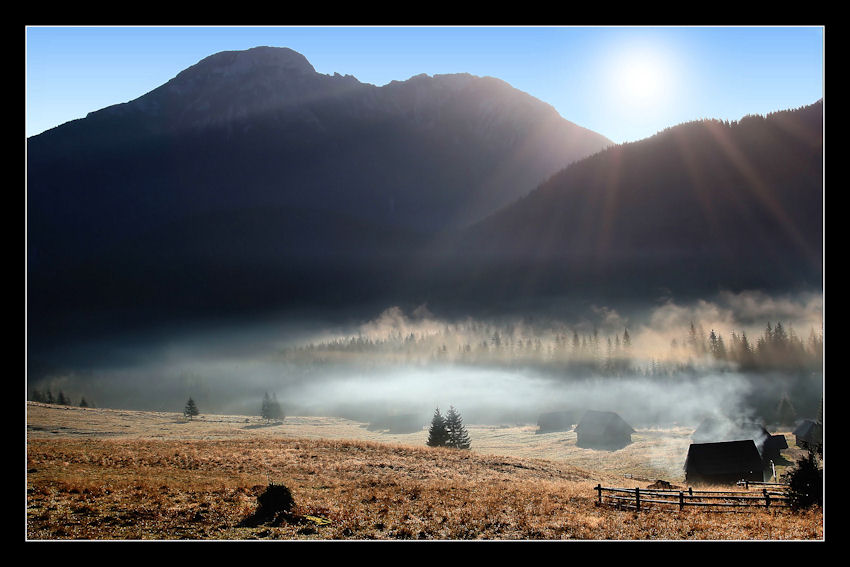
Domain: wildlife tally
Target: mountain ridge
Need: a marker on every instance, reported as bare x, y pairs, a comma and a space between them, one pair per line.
344, 195
253, 152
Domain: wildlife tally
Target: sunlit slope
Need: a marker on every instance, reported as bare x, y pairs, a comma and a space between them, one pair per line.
699, 207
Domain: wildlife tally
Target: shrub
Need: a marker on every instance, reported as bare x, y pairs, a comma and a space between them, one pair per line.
805, 483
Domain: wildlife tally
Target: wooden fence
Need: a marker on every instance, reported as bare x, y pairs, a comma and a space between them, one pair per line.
673, 498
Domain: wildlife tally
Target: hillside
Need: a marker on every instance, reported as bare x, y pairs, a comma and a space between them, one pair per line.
698, 208
251, 181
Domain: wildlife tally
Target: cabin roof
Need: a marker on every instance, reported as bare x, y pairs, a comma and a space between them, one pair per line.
723, 457
603, 420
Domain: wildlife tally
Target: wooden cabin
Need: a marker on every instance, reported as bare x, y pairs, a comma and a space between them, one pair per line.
603, 430
553, 421
809, 434
725, 462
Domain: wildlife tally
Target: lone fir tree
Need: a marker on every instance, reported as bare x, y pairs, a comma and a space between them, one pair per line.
458, 436
270, 408
438, 435
191, 410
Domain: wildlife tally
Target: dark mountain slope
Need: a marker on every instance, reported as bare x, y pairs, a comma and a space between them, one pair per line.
699, 207
251, 181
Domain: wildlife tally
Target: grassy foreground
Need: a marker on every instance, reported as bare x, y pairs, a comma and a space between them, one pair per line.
111, 475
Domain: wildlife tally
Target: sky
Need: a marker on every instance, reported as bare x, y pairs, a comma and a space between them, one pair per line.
626, 83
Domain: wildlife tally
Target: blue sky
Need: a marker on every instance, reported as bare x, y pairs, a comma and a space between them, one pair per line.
626, 83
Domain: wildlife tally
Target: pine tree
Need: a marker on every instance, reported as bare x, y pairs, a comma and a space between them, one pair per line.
191, 410
83, 403
458, 438
716, 347
264, 407
438, 435
785, 412
271, 407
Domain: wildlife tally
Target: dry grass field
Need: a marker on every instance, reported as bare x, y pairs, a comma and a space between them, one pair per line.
100, 474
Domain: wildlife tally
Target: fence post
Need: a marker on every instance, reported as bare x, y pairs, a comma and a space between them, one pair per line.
637, 499
681, 500
766, 498
599, 490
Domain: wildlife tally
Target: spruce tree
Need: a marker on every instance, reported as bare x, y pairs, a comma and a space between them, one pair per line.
191, 410
271, 407
785, 412
275, 409
264, 408
438, 435
458, 437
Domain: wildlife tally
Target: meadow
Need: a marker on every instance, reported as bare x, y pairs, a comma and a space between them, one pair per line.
107, 474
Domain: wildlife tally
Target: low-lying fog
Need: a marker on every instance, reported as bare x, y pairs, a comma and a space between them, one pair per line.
737, 354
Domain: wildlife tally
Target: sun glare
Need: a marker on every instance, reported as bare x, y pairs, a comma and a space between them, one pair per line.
641, 79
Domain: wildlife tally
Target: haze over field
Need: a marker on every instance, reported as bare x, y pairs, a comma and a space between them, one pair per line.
500, 370
251, 224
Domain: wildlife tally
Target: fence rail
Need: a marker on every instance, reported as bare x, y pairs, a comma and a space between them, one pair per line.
671, 498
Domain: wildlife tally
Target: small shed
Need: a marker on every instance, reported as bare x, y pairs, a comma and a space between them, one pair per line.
552, 421
603, 430
726, 462
809, 434
772, 447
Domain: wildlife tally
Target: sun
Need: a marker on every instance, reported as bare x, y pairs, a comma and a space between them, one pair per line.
641, 79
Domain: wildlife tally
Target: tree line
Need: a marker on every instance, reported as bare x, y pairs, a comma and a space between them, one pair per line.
46, 397
775, 349
593, 352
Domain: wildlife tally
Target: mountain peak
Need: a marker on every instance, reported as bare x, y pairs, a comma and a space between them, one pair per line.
280, 59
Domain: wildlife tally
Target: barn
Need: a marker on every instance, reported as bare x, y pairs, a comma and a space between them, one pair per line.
556, 421
725, 462
772, 447
603, 430
809, 434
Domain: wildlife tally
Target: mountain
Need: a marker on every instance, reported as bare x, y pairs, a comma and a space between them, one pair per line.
698, 208
249, 180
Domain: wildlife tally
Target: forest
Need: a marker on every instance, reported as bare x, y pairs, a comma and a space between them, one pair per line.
774, 375
559, 347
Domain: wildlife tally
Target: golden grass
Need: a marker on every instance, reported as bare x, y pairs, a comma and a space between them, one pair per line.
114, 475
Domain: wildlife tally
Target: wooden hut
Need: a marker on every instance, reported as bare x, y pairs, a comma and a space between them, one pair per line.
603, 430
726, 462
772, 448
809, 434
552, 421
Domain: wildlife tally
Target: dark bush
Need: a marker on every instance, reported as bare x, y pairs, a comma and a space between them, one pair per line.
273, 506
805, 483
